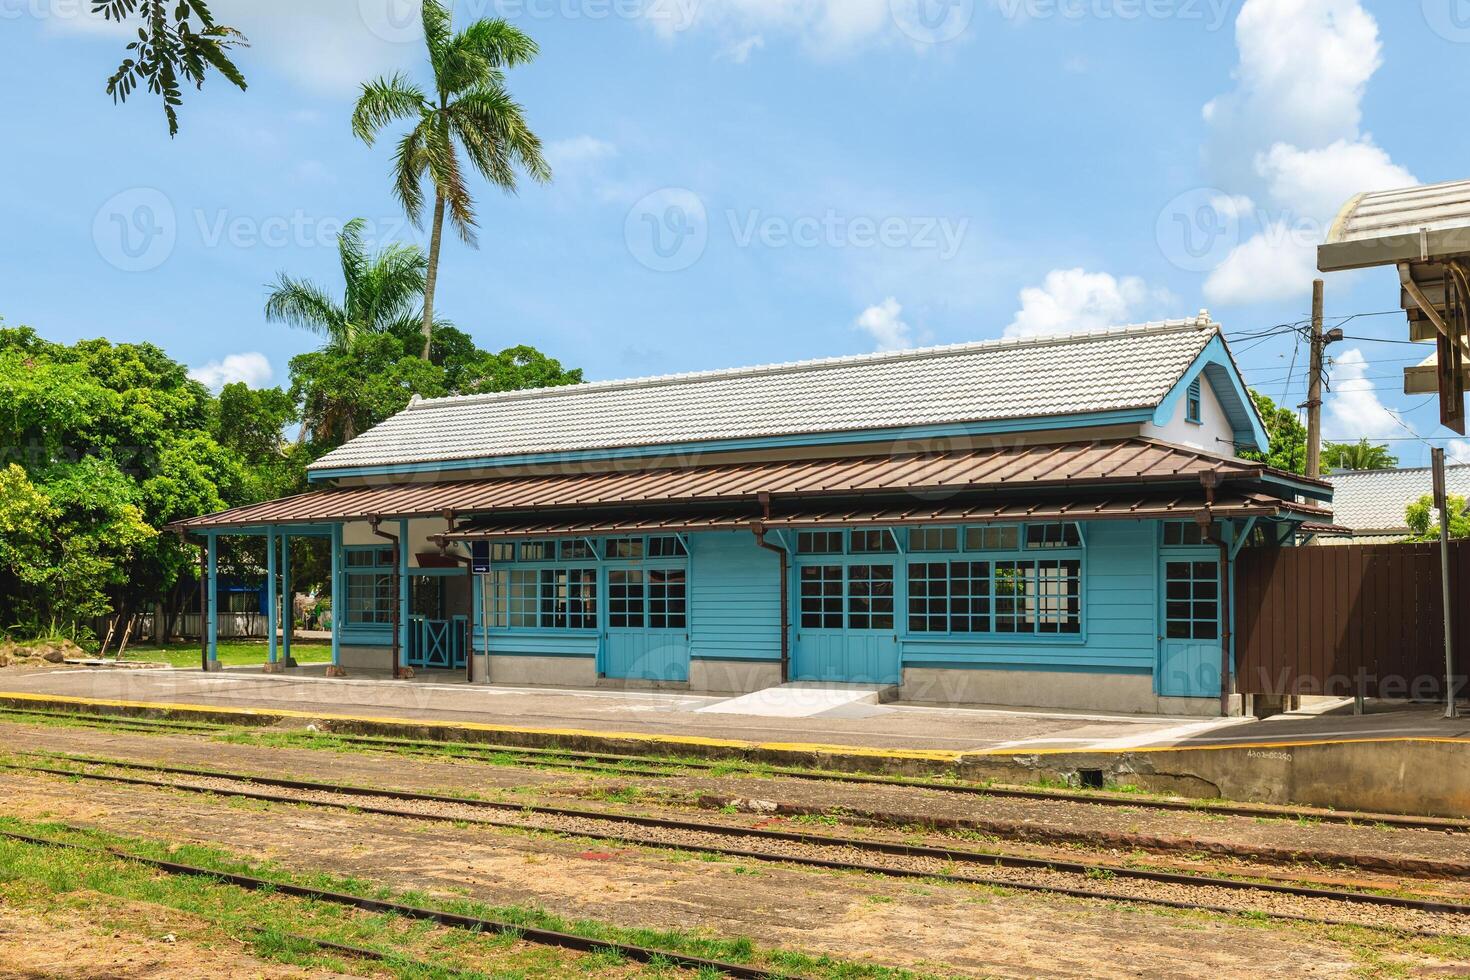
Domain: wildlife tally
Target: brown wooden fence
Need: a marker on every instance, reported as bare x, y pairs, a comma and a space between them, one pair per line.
1339, 619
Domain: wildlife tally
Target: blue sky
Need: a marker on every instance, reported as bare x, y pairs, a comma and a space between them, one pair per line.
747, 181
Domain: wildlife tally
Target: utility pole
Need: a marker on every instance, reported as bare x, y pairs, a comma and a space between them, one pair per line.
1314, 387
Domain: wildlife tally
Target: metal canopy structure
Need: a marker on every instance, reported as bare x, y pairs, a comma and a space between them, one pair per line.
1424, 233
1066, 467
1173, 505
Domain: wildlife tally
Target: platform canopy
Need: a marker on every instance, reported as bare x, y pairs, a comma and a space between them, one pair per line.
1424, 233
1128, 478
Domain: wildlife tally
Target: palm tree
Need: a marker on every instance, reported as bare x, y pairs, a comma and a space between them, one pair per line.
1360, 455
382, 295
470, 112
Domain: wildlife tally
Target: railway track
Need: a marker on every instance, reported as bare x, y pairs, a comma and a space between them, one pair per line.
606, 763
540, 937
1277, 897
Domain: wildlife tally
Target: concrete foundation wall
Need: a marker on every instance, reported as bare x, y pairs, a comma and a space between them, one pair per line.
540, 671
732, 677
1123, 693
367, 658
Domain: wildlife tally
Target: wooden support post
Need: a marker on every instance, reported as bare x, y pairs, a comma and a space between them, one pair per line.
403, 619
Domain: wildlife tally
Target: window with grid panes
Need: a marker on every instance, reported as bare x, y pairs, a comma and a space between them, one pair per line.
872, 542
370, 593
625, 599
667, 599
870, 597
821, 597
934, 539
819, 542
996, 537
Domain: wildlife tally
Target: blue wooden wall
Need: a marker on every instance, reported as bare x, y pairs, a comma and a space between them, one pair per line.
734, 598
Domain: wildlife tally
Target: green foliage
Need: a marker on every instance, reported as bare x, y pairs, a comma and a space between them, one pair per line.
1288, 436
1424, 523
106, 444
170, 50
1360, 455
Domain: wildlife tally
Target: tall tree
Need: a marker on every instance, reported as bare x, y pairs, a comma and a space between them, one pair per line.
1288, 447
178, 42
382, 292
469, 112
1360, 455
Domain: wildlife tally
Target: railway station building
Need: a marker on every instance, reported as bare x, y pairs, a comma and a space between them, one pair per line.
1047, 522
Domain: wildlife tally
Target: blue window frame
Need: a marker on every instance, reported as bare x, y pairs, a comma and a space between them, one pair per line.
1005, 593
1193, 403
1183, 534
370, 593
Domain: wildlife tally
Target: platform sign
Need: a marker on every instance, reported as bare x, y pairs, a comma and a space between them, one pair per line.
480, 557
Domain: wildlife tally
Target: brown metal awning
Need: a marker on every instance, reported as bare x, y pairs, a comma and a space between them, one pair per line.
1095, 464
1121, 508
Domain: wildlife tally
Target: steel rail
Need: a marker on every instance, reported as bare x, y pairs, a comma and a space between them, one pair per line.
638, 765
1266, 811
540, 937
888, 848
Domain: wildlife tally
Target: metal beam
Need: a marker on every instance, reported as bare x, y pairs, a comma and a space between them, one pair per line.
270, 594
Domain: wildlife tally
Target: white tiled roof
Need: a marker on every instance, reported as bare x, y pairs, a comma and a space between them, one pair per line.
1375, 500
1129, 367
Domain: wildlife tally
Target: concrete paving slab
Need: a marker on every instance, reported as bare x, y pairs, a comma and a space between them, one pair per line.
805, 701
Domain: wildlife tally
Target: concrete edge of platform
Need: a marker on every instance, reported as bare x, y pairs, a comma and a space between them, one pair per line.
1409, 775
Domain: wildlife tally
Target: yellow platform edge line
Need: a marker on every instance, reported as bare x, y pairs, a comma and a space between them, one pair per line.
921, 755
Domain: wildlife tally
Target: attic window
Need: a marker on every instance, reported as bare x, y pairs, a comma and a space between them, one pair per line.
1192, 402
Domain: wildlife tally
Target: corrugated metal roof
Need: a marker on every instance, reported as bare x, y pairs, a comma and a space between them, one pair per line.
1375, 500
1130, 507
1133, 367
1115, 461
1410, 224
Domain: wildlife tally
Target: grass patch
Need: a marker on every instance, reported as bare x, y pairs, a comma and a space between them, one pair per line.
58, 879
239, 653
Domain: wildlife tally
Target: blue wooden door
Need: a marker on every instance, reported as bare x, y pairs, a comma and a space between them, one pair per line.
846, 629
647, 623
1189, 650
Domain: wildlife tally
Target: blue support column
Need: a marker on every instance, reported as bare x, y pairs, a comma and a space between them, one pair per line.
403, 593
288, 604
339, 595
213, 586
270, 592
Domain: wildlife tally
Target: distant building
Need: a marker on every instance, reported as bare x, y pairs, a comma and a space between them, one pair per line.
1371, 503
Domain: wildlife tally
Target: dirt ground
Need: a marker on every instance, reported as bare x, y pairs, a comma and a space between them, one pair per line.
934, 927
35, 946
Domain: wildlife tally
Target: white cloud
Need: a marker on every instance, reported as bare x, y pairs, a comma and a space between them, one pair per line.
578, 151
1277, 264
1318, 182
1076, 301
1353, 409
251, 367
1457, 452
740, 51
884, 324
823, 26
1302, 72
1291, 128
